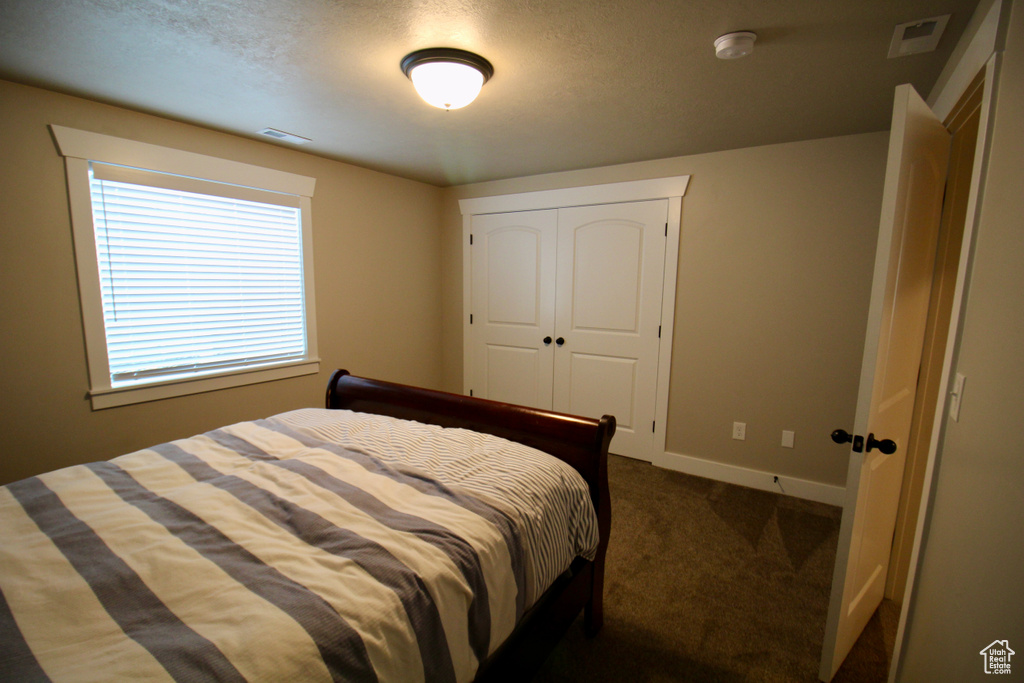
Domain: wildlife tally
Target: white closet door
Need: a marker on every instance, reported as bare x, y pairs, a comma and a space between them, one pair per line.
611, 261
513, 306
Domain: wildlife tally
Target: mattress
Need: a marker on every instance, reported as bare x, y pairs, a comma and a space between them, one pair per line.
313, 545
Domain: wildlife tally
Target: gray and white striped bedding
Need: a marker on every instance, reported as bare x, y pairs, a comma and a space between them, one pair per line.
313, 545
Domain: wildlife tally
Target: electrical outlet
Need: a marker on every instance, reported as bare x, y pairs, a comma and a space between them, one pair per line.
739, 431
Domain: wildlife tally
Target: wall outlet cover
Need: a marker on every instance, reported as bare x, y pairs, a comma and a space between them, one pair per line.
739, 431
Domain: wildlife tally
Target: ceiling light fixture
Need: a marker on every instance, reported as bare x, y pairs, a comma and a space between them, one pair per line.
735, 45
445, 77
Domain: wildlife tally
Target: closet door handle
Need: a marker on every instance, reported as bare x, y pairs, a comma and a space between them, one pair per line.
560, 341
547, 340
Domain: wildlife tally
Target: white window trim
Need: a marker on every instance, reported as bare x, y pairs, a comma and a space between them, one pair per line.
81, 147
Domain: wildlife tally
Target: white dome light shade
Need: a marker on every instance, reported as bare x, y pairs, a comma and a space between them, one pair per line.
447, 78
447, 85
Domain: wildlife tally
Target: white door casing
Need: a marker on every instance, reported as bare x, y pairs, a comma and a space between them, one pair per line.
901, 287
611, 263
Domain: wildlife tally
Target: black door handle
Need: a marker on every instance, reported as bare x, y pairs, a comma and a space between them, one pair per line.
560, 341
842, 436
547, 340
887, 446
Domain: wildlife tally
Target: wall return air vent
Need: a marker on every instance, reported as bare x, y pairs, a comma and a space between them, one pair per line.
915, 37
283, 137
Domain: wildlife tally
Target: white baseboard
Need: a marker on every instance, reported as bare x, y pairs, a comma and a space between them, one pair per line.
756, 479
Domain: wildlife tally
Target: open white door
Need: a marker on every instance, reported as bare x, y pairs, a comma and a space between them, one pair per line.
911, 208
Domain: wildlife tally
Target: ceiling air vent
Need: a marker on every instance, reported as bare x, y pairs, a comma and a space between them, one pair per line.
915, 37
284, 137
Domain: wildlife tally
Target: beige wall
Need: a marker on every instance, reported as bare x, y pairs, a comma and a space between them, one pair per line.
775, 263
776, 254
377, 262
968, 589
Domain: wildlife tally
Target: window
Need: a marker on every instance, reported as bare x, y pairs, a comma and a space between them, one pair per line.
194, 272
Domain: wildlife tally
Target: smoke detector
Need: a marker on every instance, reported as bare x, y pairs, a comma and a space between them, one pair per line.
735, 45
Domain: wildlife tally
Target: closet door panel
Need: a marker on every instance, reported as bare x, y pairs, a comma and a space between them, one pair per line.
513, 297
517, 375
608, 263
611, 261
604, 384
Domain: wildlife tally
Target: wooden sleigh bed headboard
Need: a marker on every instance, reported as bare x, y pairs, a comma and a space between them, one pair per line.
580, 442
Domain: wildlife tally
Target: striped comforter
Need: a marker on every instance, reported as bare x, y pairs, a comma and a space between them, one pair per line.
314, 545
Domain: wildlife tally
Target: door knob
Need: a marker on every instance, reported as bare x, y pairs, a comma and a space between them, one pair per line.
547, 340
842, 436
560, 341
887, 446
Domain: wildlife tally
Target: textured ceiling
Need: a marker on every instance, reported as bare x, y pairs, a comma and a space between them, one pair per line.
577, 84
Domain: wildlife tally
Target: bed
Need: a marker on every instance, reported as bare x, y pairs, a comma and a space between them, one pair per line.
394, 535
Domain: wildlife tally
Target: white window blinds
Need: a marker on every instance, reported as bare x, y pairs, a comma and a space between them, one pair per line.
195, 276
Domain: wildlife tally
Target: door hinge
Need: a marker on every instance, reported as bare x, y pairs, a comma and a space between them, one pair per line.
652, 425
659, 331
470, 239
470, 318
470, 392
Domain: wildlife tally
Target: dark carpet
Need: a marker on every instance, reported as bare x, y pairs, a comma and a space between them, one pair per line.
709, 581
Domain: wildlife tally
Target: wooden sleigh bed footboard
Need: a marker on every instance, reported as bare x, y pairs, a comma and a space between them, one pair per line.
580, 442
